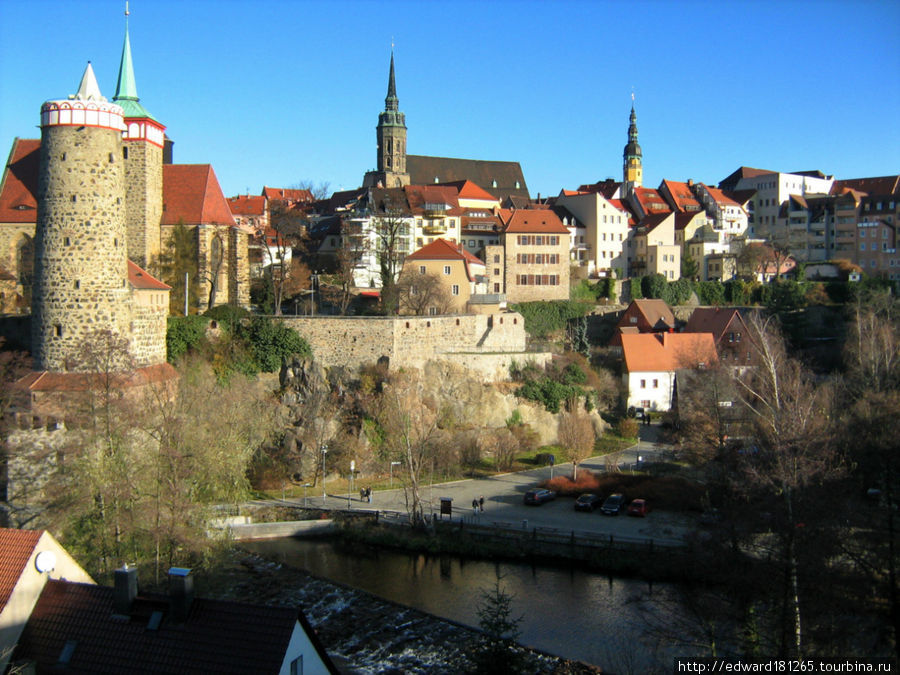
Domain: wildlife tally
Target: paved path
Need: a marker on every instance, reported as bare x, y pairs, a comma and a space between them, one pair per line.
503, 499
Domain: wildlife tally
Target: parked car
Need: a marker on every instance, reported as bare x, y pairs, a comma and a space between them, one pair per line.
613, 504
638, 507
538, 496
588, 502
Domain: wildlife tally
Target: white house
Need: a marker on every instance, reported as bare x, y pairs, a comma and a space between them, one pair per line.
652, 362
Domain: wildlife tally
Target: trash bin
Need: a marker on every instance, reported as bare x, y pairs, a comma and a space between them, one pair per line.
446, 506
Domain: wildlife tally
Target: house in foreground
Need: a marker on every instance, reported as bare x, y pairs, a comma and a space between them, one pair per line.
653, 360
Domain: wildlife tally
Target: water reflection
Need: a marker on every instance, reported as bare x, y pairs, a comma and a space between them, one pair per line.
590, 617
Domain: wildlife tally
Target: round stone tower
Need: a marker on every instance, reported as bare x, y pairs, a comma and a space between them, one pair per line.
80, 269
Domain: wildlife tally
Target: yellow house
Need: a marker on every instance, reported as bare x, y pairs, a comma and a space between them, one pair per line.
460, 273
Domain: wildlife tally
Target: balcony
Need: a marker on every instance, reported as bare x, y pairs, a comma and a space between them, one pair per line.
434, 228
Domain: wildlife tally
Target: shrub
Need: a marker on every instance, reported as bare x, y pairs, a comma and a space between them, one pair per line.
679, 291
653, 285
543, 318
710, 292
184, 333
627, 427
227, 316
271, 341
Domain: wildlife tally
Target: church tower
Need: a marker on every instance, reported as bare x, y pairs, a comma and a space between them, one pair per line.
144, 139
391, 135
80, 263
633, 174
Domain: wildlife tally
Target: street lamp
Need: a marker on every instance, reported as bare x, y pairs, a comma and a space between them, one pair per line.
305, 502
324, 452
393, 464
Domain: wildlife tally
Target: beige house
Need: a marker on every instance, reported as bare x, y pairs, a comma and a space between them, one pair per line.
655, 250
460, 273
536, 255
605, 230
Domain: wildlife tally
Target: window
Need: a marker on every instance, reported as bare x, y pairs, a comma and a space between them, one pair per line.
643, 384
432, 311
454, 289
496, 258
656, 384
496, 271
446, 269
421, 269
297, 666
633, 319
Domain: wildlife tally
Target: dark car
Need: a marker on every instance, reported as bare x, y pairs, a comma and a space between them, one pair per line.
638, 507
588, 502
613, 504
538, 496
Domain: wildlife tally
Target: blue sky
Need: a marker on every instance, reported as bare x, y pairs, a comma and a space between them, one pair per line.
280, 92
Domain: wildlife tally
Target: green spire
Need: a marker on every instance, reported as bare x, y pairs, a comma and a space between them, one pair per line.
126, 87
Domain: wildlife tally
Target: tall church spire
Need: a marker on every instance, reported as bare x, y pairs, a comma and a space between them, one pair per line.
126, 86
391, 102
632, 168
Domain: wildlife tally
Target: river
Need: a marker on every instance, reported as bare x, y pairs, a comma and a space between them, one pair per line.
574, 614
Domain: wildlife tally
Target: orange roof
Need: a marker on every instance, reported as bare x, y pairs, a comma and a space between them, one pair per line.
469, 190
681, 195
420, 195
534, 220
666, 352
441, 249
45, 380
17, 547
191, 194
20, 181
247, 205
651, 200
144, 280
288, 194
720, 196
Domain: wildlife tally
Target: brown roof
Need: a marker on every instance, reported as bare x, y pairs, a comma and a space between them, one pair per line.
144, 280
425, 170
287, 194
247, 205
44, 380
666, 352
606, 187
191, 195
713, 320
441, 249
653, 220
420, 195
730, 182
534, 220
882, 185
18, 203
17, 547
656, 313
216, 637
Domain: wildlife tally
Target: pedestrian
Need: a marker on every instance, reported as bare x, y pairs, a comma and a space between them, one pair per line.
362, 493
474, 507
481, 503
369, 494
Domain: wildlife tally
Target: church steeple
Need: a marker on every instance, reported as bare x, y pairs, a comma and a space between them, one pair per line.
632, 157
126, 86
391, 135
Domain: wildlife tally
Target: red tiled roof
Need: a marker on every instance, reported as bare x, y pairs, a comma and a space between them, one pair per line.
881, 185
247, 205
713, 320
441, 249
216, 637
651, 200
657, 314
44, 380
469, 190
720, 197
191, 195
18, 203
534, 220
289, 194
144, 280
16, 547
682, 196
420, 195
666, 352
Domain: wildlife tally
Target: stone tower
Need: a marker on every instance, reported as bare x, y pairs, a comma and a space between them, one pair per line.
633, 174
144, 140
80, 267
391, 135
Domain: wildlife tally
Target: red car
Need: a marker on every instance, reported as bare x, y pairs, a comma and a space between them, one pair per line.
638, 507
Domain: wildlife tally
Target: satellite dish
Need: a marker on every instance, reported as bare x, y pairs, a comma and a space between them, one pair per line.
45, 561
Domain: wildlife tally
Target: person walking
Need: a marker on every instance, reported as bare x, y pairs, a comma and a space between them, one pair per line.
369, 494
474, 507
481, 503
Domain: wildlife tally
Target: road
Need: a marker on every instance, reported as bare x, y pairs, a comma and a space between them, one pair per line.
503, 500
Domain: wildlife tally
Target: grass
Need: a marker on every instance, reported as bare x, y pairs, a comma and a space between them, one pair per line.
610, 442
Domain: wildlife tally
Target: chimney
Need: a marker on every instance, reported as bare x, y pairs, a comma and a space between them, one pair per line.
125, 589
181, 593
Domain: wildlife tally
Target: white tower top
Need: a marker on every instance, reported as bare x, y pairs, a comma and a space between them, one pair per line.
86, 108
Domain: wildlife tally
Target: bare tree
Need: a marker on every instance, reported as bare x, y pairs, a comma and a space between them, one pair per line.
392, 242
285, 233
423, 293
353, 246
576, 435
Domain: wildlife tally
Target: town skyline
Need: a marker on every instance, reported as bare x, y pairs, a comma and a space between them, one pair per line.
265, 104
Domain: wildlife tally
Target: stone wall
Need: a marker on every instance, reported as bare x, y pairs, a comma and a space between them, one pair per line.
81, 279
143, 200
150, 310
413, 340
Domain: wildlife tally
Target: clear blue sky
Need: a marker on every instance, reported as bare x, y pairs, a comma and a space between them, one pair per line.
279, 92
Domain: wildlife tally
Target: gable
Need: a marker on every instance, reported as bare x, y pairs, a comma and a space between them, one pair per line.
500, 179
18, 202
192, 195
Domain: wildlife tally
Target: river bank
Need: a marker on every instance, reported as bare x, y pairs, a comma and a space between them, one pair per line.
363, 633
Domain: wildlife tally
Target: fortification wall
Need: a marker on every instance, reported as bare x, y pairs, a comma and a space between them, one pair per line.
150, 309
413, 340
143, 199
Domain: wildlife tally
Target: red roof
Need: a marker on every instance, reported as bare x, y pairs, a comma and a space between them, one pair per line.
45, 380
682, 196
720, 197
247, 205
18, 203
714, 320
287, 194
216, 637
441, 249
542, 221
666, 352
651, 201
469, 190
17, 547
420, 195
191, 195
144, 280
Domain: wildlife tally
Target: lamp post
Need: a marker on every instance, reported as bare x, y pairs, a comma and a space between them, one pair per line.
393, 464
305, 501
324, 452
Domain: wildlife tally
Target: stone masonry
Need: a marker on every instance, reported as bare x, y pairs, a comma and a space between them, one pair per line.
81, 277
143, 195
